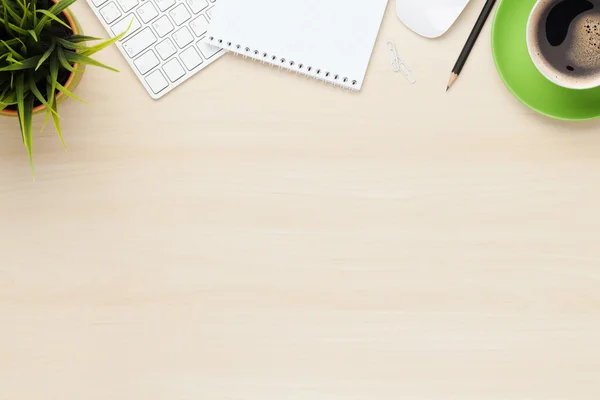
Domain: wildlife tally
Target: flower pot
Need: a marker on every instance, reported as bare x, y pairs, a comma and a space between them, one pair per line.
71, 82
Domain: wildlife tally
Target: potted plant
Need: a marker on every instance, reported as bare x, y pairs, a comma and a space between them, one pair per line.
43, 54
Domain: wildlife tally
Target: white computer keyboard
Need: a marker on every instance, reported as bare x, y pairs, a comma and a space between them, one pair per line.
164, 46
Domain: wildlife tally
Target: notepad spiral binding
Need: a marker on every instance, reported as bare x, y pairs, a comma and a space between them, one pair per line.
291, 65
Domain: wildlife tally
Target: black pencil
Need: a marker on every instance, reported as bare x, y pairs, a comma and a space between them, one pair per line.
462, 59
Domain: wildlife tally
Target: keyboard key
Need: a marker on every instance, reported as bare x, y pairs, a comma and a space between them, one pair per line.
207, 50
128, 5
123, 24
173, 69
98, 3
147, 12
110, 13
146, 62
180, 14
197, 5
183, 37
162, 26
209, 13
164, 5
190, 57
139, 42
165, 49
157, 81
199, 25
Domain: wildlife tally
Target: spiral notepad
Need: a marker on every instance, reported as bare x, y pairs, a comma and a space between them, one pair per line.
330, 40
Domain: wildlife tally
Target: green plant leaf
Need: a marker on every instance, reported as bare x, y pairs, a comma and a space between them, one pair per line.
52, 78
71, 46
25, 111
24, 64
23, 45
56, 119
94, 49
32, 33
64, 62
12, 51
18, 29
10, 12
67, 92
49, 109
5, 104
34, 13
20, 94
50, 97
26, 12
81, 38
3, 95
12, 60
23, 7
5, 21
36, 92
6, 98
10, 26
61, 6
79, 58
12, 41
9, 97
53, 17
46, 55
56, 9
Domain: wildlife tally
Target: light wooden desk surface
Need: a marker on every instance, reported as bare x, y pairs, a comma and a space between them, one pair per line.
257, 236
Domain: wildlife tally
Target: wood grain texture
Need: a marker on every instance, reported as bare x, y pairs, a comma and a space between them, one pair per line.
258, 236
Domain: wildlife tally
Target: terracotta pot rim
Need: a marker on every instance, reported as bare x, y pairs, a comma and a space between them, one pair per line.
73, 26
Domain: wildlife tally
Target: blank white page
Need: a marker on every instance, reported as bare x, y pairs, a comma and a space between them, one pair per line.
330, 40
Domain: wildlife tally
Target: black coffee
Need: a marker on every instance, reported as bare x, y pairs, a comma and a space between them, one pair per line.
568, 38
560, 17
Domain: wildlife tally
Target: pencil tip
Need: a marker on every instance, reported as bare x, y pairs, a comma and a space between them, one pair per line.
453, 77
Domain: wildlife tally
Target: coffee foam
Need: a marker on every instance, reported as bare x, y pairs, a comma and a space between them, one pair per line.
584, 40
577, 59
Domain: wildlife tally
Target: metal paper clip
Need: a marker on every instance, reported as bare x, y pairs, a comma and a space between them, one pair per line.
398, 65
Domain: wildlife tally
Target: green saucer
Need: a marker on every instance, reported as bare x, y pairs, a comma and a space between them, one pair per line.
522, 77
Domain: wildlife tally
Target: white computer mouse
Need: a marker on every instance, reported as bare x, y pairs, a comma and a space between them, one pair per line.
430, 18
